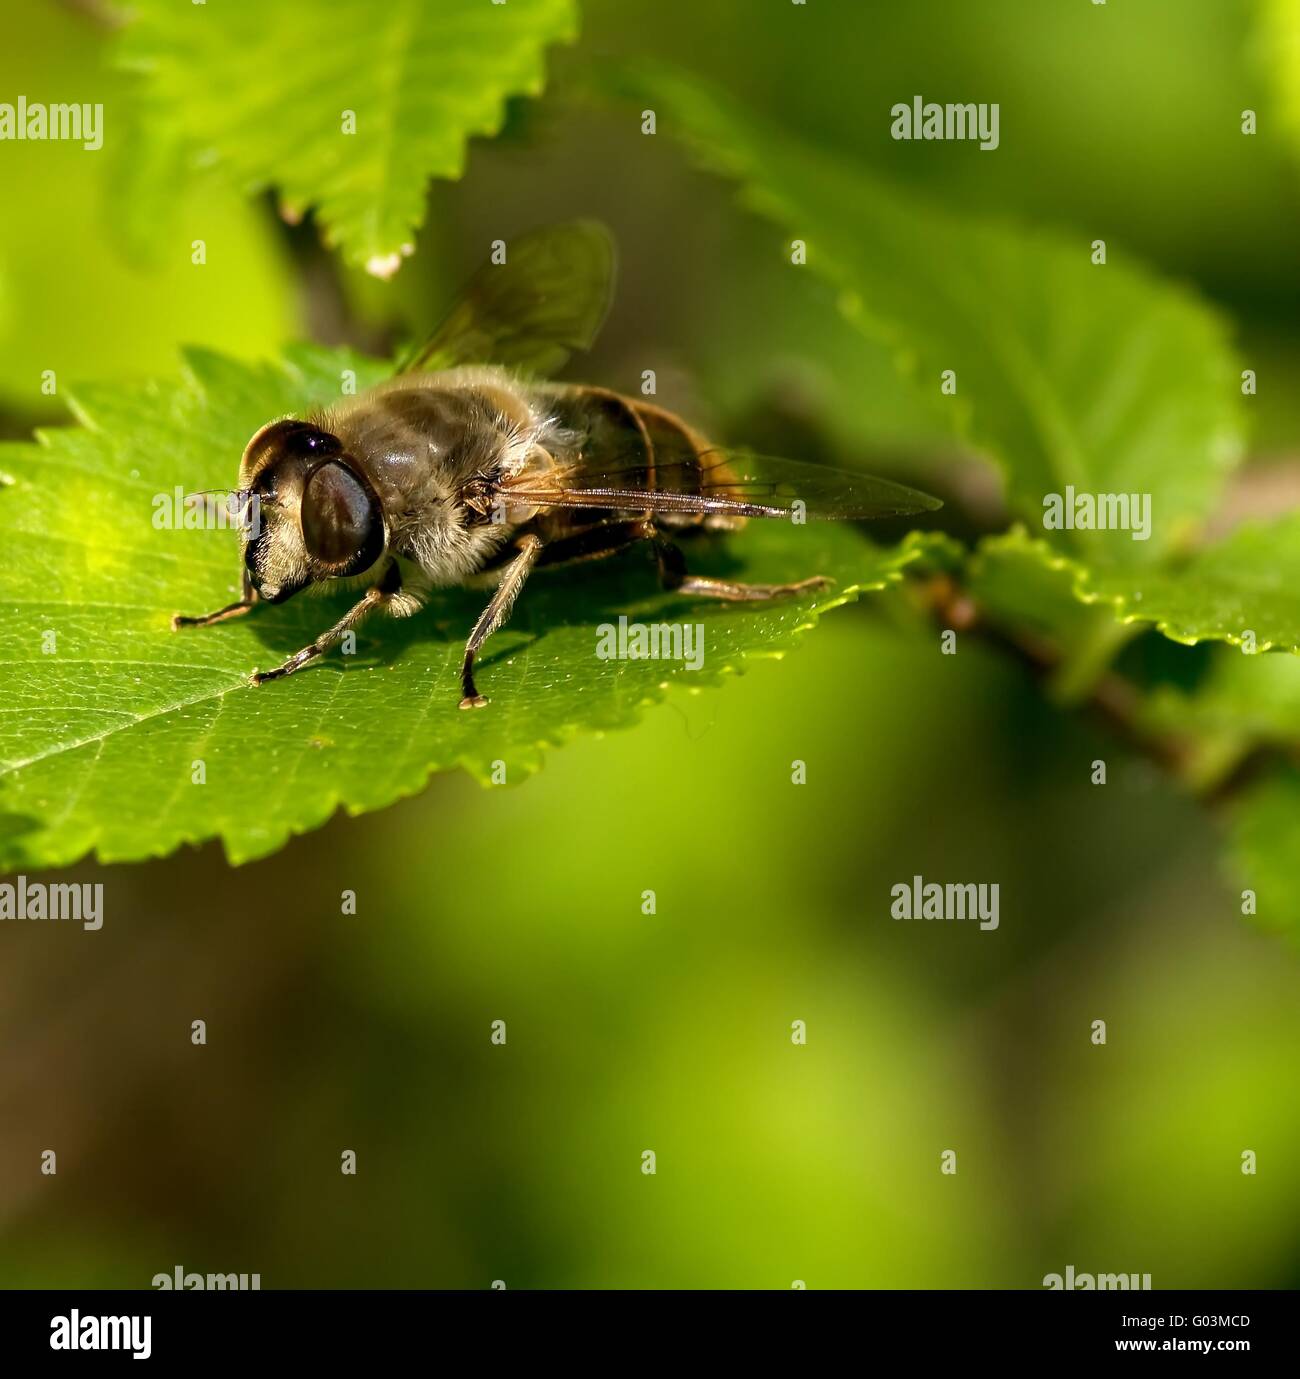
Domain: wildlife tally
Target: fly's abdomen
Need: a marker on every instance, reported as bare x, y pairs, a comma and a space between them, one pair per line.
684, 462
608, 437
627, 444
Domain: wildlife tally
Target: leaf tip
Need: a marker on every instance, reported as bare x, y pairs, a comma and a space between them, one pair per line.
385, 266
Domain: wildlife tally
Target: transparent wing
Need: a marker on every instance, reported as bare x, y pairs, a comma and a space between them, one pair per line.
548, 299
718, 480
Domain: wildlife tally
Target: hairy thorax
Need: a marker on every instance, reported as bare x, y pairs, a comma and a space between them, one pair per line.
428, 443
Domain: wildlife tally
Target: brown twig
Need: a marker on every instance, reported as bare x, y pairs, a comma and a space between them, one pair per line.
1113, 698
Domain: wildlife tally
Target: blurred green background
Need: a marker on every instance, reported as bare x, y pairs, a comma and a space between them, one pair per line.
672, 1032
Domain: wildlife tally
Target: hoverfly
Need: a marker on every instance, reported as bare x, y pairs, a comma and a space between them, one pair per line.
468, 468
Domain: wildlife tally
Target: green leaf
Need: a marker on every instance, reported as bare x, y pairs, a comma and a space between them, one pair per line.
102, 724
1021, 582
1102, 377
1244, 704
1244, 588
1033, 592
263, 91
1264, 843
1255, 697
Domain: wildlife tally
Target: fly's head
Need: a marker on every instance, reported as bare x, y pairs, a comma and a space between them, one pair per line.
311, 513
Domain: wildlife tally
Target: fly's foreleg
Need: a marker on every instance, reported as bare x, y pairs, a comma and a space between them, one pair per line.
673, 576
377, 597
231, 610
497, 611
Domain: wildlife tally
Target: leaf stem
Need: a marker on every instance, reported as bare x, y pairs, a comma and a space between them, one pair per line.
1212, 769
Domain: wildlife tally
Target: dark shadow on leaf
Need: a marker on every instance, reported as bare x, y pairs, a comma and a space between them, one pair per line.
589, 592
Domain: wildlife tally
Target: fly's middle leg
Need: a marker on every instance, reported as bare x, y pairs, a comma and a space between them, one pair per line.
601, 539
497, 611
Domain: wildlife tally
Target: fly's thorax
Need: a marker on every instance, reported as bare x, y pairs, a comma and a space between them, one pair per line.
433, 447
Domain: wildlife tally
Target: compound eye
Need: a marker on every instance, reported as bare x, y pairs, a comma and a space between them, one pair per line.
341, 523
278, 440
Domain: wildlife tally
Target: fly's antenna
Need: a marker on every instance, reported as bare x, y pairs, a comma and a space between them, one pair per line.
241, 507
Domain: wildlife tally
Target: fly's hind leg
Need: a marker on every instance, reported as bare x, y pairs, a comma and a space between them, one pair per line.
386, 594
673, 576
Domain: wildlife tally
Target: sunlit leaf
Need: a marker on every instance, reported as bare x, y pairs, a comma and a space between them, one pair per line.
348, 108
1244, 590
